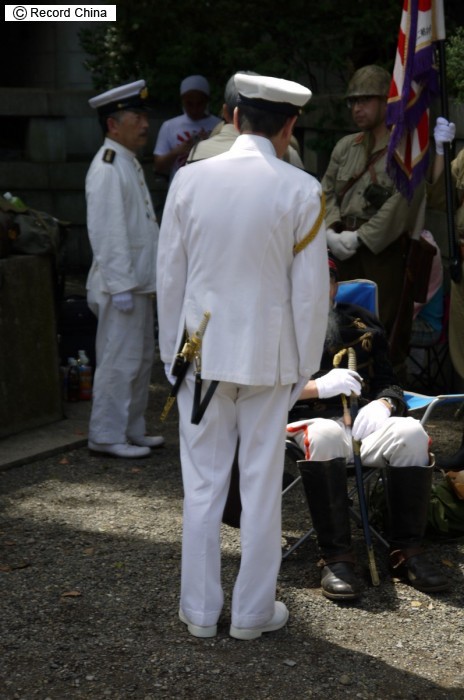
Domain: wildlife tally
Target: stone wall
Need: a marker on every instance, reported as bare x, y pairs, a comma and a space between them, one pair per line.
30, 392
47, 158
47, 162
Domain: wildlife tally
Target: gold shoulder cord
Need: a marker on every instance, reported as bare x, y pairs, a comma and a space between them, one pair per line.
298, 247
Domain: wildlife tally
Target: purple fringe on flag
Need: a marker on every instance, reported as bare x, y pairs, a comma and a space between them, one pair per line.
407, 183
403, 115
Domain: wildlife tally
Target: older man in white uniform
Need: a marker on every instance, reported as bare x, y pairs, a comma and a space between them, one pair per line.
123, 233
242, 238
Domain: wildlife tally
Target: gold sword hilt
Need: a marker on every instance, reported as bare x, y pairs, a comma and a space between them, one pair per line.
346, 411
352, 363
189, 352
193, 343
197, 337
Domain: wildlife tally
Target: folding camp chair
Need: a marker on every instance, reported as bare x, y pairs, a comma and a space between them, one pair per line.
361, 292
364, 293
295, 453
419, 402
432, 373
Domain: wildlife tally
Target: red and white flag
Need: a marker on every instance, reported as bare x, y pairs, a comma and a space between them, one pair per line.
414, 84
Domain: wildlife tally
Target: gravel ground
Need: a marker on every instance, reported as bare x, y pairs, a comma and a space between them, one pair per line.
89, 578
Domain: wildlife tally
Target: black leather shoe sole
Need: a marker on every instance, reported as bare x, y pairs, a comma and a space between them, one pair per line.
340, 596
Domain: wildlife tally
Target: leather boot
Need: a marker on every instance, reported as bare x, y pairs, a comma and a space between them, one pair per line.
408, 495
325, 486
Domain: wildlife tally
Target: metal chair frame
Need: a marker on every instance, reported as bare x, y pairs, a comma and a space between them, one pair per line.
414, 401
433, 372
297, 454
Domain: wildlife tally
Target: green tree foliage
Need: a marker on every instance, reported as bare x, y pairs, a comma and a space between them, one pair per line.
455, 64
166, 40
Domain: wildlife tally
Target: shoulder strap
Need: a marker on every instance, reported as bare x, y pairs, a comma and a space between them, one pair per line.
355, 178
301, 245
108, 155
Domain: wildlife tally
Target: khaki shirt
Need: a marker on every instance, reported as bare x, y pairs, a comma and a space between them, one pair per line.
379, 227
436, 192
457, 169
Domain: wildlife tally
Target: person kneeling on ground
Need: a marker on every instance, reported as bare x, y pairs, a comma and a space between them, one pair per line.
390, 440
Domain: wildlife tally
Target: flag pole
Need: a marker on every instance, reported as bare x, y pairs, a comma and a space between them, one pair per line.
453, 248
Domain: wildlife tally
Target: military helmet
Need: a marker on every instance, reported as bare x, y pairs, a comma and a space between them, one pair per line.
369, 80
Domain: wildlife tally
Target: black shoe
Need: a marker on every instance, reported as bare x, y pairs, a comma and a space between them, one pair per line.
419, 572
339, 582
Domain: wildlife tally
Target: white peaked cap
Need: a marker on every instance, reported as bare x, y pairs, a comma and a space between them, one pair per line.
130, 96
274, 94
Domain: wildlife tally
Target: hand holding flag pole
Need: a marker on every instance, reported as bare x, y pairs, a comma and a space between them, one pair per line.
439, 38
415, 82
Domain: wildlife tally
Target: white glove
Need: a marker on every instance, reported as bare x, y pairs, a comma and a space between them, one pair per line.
444, 132
338, 381
343, 245
123, 301
369, 419
170, 377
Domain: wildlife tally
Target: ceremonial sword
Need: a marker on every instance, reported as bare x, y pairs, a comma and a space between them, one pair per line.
189, 351
349, 415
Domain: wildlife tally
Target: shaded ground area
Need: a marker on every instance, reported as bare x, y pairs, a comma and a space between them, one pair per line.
89, 578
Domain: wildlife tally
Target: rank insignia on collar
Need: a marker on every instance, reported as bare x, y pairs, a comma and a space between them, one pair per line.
109, 155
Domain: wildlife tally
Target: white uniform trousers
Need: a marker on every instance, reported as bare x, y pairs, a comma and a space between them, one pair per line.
400, 442
124, 358
256, 416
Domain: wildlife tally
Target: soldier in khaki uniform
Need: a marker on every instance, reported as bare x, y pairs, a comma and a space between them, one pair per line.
368, 220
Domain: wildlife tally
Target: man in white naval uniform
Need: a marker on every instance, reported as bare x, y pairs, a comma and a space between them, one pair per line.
224, 134
242, 238
123, 233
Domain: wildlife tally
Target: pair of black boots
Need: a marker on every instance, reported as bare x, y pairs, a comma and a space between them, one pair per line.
407, 494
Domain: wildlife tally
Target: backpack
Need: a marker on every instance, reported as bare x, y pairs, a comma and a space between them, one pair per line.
445, 518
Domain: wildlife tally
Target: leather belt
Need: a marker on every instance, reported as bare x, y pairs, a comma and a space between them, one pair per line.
200, 405
352, 223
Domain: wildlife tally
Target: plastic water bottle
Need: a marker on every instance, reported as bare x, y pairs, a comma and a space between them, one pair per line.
85, 377
15, 201
73, 380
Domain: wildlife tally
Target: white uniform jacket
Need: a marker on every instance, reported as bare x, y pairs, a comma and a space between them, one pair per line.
121, 222
228, 231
